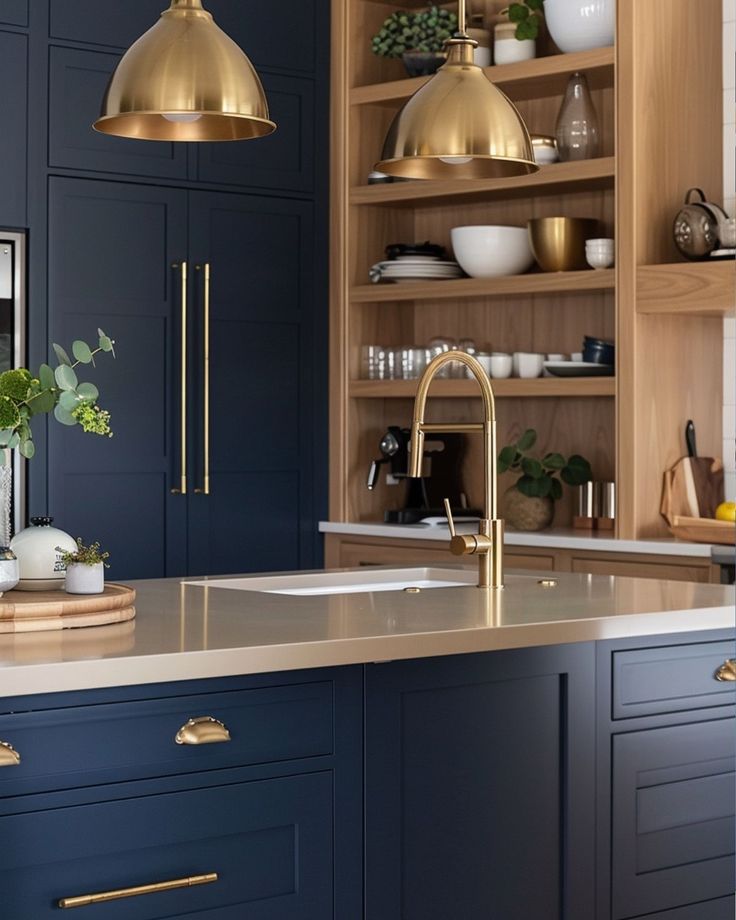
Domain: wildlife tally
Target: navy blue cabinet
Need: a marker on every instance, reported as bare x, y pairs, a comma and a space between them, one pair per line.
480, 786
14, 12
14, 134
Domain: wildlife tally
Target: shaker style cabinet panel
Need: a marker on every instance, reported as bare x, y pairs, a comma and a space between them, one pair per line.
111, 251
284, 160
468, 759
14, 134
115, 24
673, 816
14, 12
77, 83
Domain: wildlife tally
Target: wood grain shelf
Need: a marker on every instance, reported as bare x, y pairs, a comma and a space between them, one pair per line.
537, 78
468, 389
550, 180
687, 288
504, 286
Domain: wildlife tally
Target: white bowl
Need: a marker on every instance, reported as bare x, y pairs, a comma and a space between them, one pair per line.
488, 251
501, 366
579, 25
599, 259
528, 364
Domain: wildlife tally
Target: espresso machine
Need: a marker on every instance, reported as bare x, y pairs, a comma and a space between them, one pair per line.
441, 476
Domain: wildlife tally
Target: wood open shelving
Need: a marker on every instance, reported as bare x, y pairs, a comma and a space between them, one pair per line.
468, 389
687, 288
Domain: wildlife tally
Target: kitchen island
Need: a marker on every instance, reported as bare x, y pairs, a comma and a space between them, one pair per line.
382, 754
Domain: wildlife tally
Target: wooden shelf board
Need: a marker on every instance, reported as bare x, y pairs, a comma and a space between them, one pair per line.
465, 389
505, 285
538, 78
550, 180
688, 288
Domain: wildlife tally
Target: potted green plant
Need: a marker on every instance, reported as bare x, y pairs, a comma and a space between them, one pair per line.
515, 38
85, 568
529, 503
416, 37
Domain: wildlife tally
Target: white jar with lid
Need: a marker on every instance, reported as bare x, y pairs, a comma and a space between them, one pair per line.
507, 49
38, 549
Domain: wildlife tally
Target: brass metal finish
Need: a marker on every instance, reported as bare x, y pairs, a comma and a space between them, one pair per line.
182, 490
458, 125
205, 490
202, 730
558, 243
547, 582
488, 543
185, 80
412, 590
9, 757
83, 900
727, 670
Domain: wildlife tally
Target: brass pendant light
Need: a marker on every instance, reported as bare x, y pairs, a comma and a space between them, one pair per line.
185, 80
458, 125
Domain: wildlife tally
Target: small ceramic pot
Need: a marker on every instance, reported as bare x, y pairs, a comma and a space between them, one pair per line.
422, 63
85, 579
507, 49
524, 513
9, 570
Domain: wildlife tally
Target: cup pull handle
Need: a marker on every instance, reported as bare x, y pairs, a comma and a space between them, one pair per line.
202, 730
727, 670
9, 757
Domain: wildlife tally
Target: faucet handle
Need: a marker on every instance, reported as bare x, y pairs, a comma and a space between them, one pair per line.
450, 521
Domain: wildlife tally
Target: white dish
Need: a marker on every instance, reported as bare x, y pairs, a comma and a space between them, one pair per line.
578, 369
489, 251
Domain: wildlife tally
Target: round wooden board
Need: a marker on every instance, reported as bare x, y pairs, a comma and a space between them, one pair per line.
68, 621
57, 605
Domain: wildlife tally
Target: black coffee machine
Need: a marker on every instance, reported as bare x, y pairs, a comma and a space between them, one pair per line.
441, 469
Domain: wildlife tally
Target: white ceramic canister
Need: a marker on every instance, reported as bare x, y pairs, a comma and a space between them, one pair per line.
507, 49
8, 570
85, 579
578, 25
39, 560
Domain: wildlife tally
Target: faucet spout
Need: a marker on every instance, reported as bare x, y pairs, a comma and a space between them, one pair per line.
488, 545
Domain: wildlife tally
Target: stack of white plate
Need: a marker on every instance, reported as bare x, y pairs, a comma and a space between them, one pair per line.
415, 268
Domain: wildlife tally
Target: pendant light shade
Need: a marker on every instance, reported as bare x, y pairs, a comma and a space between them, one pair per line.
185, 80
458, 126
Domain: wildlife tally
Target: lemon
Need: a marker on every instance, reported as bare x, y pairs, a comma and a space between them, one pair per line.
726, 511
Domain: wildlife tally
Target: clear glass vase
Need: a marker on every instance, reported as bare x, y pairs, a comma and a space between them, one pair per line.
6, 495
578, 137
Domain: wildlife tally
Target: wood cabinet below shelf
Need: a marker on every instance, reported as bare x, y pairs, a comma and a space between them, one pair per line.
511, 387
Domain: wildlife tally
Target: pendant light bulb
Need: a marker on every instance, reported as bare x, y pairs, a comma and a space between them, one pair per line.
185, 80
458, 125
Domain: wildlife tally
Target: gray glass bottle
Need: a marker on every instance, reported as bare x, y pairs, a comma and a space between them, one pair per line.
578, 137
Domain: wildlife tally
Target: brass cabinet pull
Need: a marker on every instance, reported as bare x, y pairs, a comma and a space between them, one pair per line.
9, 757
83, 900
202, 730
727, 670
182, 490
205, 490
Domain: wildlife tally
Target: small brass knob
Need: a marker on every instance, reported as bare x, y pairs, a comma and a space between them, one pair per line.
727, 670
9, 757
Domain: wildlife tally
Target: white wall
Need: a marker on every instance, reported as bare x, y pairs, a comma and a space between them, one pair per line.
729, 203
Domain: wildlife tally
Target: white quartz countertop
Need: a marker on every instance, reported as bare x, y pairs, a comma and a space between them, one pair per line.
184, 631
557, 538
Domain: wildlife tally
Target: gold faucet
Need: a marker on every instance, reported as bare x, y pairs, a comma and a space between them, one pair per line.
487, 544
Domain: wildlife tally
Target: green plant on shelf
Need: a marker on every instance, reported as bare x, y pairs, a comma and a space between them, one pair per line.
84, 554
423, 30
527, 15
542, 478
24, 396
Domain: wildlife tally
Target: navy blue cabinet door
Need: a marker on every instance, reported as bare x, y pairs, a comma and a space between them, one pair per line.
260, 512
111, 251
14, 12
479, 786
14, 120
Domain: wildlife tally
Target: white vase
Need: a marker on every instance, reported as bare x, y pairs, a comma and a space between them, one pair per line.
38, 549
85, 579
578, 25
507, 49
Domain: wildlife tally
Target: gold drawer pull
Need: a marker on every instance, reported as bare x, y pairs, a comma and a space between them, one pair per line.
83, 900
727, 670
9, 757
202, 730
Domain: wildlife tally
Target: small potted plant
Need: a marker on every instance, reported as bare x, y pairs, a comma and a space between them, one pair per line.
85, 568
529, 503
515, 38
417, 38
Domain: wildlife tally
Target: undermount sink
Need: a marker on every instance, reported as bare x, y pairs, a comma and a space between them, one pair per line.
347, 582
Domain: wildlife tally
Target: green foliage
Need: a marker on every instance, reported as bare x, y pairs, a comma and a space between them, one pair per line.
527, 14
84, 555
424, 30
56, 390
538, 478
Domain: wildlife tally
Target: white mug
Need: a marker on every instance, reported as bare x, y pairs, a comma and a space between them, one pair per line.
530, 364
484, 360
501, 366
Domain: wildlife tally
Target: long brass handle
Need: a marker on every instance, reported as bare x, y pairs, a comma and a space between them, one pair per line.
202, 730
83, 900
9, 757
205, 490
727, 670
182, 490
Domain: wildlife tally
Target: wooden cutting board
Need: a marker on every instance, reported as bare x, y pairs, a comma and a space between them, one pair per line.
703, 530
31, 611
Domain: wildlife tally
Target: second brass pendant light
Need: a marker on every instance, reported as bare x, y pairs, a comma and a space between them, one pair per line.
458, 125
185, 80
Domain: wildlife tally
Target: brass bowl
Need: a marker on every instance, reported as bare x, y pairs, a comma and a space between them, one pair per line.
558, 243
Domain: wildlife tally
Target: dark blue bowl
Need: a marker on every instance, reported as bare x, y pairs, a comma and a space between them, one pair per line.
598, 351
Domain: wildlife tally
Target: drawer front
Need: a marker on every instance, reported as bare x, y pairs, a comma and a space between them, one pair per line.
670, 679
719, 909
83, 745
673, 817
14, 12
269, 842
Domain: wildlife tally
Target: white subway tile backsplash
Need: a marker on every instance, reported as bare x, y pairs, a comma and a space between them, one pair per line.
729, 327
729, 161
729, 106
729, 372
729, 462
729, 55
730, 487
729, 423
729, 10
